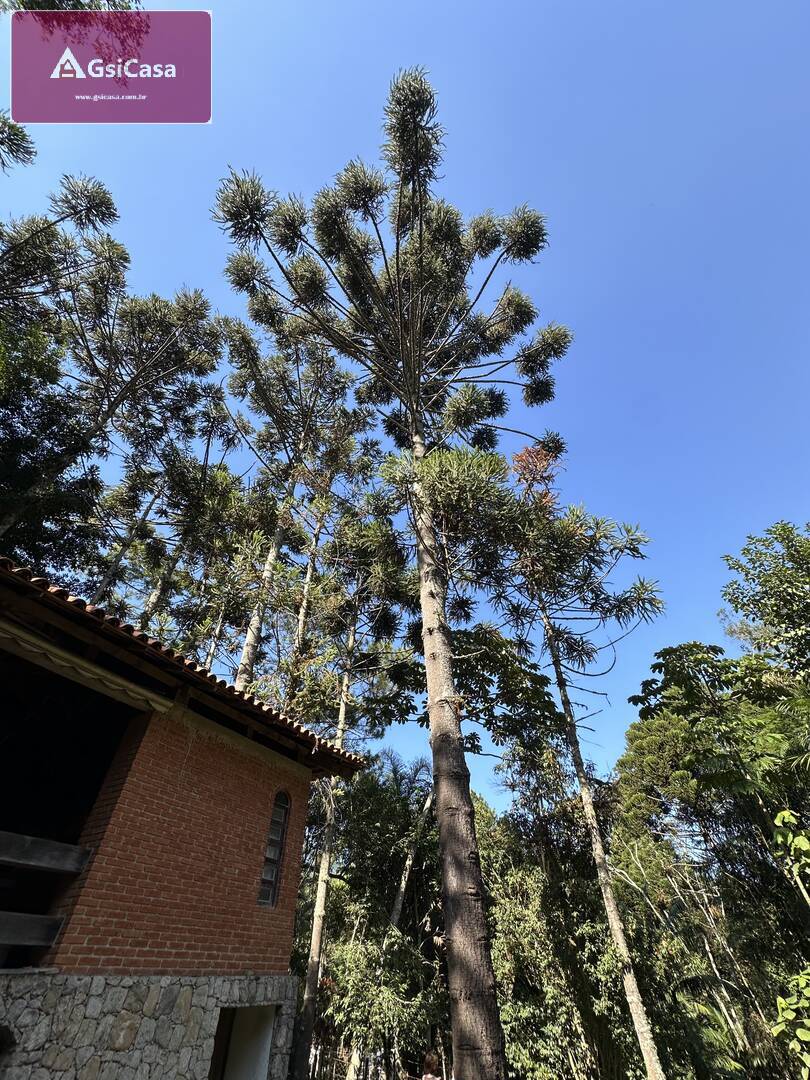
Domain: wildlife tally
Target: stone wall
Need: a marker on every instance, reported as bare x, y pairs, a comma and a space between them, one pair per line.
120, 1027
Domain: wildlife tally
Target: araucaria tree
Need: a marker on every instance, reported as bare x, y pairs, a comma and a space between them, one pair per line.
301, 392
384, 272
91, 363
563, 586
364, 562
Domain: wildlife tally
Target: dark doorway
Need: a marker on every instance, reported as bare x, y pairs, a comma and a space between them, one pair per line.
222, 1040
243, 1043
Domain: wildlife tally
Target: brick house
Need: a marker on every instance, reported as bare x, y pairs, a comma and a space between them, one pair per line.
151, 826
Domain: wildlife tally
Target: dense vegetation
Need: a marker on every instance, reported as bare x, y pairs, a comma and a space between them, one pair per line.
312, 501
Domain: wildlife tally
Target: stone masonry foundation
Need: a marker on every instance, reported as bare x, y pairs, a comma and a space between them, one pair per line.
120, 1027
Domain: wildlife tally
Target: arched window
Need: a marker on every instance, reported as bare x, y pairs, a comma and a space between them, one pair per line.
274, 852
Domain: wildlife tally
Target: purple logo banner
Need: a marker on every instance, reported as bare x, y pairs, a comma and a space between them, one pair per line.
111, 67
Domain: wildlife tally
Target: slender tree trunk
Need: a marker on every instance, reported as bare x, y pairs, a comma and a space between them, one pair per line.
253, 637
157, 597
114, 567
306, 1019
356, 1059
723, 999
123, 548
698, 898
303, 615
303, 610
353, 1070
478, 1042
641, 1023
396, 907
216, 637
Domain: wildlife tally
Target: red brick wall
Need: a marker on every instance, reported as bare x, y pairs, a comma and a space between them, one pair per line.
172, 885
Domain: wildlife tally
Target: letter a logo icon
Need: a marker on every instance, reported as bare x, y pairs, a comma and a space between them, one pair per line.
68, 67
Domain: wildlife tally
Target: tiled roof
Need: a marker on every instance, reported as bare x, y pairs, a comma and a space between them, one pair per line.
139, 642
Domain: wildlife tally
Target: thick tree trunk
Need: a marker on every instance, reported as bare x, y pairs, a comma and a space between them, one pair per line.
123, 548
253, 637
306, 1019
638, 1013
478, 1042
157, 597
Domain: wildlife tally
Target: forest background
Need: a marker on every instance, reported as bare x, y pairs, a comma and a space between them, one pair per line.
664, 144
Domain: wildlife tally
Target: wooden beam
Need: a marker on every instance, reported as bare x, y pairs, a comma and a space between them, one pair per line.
208, 701
158, 667
39, 650
19, 929
34, 853
152, 664
78, 627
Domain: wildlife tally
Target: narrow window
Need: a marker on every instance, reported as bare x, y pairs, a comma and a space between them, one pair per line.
274, 852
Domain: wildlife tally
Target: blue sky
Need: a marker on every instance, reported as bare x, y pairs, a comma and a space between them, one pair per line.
667, 143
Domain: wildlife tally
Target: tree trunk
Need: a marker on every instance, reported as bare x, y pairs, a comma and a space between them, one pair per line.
641, 1023
114, 567
123, 548
478, 1042
157, 597
353, 1070
723, 998
253, 637
306, 1019
303, 615
396, 907
211, 652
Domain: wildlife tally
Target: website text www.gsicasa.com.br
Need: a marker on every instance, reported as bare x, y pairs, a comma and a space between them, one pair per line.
110, 97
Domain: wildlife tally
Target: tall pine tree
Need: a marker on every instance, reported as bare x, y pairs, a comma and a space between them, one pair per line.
390, 276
